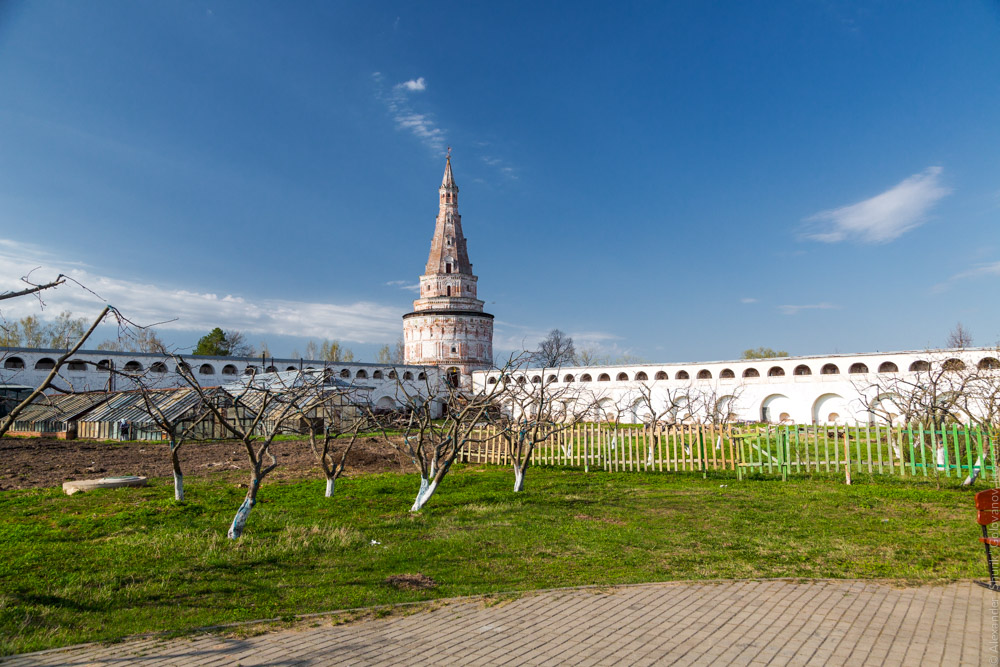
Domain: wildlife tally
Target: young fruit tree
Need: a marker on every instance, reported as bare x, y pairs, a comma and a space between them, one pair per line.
981, 402
534, 410
180, 414
656, 404
335, 416
254, 409
437, 424
933, 392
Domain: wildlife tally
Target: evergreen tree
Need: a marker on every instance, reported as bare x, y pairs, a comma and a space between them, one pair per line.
212, 344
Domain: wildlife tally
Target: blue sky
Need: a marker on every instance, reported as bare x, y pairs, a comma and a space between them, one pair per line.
674, 181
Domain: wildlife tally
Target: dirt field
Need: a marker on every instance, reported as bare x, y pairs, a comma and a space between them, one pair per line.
37, 462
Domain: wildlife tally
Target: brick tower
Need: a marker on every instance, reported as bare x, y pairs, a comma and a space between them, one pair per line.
448, 327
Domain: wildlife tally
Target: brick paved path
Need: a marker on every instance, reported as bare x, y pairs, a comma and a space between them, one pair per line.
773, 622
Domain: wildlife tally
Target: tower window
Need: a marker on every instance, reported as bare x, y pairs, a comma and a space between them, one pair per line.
449, 290
447, 268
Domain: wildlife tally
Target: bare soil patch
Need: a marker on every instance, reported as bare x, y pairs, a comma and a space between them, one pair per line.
40, 462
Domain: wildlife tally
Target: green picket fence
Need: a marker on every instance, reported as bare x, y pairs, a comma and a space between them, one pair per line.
906, 451
911, 450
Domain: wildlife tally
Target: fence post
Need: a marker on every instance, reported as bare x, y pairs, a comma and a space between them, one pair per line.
739, 457
701, 450
847, 454
783, 454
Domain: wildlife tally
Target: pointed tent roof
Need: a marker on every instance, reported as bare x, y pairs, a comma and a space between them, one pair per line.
449, 180
448, 244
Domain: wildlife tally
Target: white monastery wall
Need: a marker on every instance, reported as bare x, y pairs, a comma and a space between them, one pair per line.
801, 390
91, 370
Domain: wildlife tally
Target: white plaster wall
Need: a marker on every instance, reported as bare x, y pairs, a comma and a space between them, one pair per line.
805, 398
92, 379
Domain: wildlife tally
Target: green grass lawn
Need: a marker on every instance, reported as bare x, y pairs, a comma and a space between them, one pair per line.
107, 564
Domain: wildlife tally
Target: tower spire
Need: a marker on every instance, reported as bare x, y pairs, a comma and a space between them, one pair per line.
448, 327
449, 180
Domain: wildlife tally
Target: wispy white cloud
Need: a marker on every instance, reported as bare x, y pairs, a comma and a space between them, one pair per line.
980, 271
748, 299
501, 166
404, 284
413, 85
884, 217
186, 310
795, 310
397, 100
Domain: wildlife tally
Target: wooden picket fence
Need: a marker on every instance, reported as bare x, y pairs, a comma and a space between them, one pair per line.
905, 451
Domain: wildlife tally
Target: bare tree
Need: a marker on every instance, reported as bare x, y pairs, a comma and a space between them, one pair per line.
384, 355
589, 356
555, 350
656, 403
335, 418
135, 339
438, 424
932, 392
653, 401
254, 410
717, 403
179, 413
31, 331
959, 337
7, 421
399, 351
980, 402
239, 345
534, 409
335, 352
33, 288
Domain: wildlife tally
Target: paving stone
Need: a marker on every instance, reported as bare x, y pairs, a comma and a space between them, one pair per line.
778, 622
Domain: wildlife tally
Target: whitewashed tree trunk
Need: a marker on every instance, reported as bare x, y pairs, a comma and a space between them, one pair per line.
940, 458
178, 476
330, 482
427, 488
518, 479
974, 473
243, 513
